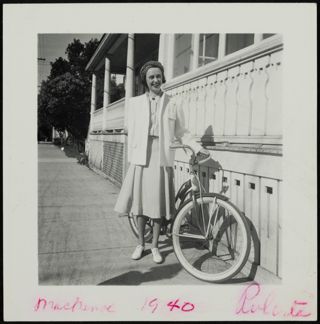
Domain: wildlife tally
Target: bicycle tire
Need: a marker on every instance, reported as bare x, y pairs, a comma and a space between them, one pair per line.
134, 227
181, 232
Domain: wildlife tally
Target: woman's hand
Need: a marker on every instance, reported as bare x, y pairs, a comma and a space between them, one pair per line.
201, 155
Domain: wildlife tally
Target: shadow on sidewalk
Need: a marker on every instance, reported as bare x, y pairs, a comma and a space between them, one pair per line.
135, 278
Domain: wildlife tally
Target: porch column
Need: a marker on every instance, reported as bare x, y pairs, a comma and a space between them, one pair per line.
171, 55
130, 84
195, 51
106, 93
93, 99
258, 38
162, 47
222, 46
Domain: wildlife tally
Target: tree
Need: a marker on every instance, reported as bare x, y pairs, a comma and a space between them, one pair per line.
64, 99
59, 67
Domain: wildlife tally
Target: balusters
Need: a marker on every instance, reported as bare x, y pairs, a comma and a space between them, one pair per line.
244, 99
186, 103
273, 92
232, 85
193, 108
179, 98
258, 96
218, 122
201, 112
210, 90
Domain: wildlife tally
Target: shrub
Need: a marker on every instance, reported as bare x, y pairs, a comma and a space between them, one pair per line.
57, 141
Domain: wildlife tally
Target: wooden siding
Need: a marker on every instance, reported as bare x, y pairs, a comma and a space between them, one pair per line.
257, 197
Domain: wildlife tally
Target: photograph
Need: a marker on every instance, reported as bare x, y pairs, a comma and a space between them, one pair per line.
187, 131
167, 164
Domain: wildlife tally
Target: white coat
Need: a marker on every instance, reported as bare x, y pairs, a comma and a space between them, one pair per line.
171, 128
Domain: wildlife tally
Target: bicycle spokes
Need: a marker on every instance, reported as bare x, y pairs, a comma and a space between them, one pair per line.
213, 243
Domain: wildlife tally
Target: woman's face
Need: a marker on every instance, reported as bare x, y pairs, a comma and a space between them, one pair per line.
154, 80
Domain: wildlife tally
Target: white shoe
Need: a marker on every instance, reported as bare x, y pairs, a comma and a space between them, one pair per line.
137, 254
157, 258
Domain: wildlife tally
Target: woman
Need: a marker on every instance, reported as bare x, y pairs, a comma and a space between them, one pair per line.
154, 122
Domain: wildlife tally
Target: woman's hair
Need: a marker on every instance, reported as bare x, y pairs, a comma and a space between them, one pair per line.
146, 67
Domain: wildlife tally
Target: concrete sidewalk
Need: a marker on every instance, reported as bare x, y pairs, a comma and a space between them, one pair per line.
82, 241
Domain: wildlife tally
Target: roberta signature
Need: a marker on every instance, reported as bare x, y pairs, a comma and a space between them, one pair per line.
254, 301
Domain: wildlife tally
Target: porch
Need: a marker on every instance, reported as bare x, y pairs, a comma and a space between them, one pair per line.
232, 106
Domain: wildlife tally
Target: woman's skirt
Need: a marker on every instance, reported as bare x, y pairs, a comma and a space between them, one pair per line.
148, 190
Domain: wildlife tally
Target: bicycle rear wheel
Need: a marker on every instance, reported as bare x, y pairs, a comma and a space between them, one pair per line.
215, 245
134, 226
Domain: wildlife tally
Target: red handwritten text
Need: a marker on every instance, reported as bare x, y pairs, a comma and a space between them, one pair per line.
254, 301
43, 304
153, 304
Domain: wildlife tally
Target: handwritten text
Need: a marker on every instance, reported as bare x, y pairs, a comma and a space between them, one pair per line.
254, 301
77, 305
152, 304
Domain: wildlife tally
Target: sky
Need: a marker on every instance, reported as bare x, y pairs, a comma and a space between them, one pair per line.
52, 46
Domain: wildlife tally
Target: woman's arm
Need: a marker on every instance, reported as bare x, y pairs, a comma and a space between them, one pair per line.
130, 128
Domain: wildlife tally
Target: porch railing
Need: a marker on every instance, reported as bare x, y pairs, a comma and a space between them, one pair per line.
97, 119
115, 115
237, 99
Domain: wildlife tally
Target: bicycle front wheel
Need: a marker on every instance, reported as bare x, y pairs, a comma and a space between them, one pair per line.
212, 243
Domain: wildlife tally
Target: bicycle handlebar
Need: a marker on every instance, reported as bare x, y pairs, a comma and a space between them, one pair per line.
183, 146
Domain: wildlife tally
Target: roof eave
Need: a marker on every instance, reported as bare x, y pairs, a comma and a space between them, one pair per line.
95, 59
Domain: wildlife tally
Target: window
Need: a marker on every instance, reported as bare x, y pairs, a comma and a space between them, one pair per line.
208, 48
236, 42
196, 50
182, 54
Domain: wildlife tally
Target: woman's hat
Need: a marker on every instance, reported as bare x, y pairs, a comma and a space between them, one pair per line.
147, 66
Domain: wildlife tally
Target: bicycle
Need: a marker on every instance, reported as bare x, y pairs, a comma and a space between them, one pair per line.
210, 235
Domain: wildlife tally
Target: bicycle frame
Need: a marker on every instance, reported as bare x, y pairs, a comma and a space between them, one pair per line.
192, 186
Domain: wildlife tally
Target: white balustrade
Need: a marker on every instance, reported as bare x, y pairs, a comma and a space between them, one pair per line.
97, 120
240, 101
201, 107
210, 93
115, 115
244, 100
231, 113
218, 123
258, 96
273, 93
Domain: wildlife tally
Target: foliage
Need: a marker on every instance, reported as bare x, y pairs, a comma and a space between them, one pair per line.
64, 99
59, 67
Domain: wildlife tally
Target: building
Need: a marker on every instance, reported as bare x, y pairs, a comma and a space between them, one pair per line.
230, 87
